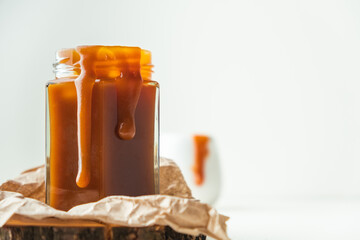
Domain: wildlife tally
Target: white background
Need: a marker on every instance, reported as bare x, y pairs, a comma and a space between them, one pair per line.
276, 83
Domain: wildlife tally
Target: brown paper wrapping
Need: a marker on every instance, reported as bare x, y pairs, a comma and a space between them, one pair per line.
175, 207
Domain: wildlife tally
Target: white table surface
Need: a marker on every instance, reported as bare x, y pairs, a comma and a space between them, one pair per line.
275, 219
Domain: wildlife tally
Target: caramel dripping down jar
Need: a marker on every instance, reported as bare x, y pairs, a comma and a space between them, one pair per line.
102, 126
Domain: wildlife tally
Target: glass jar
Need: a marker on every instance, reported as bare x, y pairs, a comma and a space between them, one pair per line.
102, 126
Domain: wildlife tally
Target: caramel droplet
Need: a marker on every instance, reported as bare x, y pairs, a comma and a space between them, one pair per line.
126, 129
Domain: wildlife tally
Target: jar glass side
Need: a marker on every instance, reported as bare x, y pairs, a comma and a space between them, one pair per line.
156, 139
47, 146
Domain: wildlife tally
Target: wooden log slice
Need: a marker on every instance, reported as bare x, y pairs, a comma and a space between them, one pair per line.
54, 229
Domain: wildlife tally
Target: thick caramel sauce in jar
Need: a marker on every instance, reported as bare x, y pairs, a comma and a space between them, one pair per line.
102, 125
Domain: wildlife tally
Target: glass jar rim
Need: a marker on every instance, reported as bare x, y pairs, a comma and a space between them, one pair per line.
67, 60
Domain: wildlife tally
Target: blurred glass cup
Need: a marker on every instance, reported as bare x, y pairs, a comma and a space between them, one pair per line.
184, 150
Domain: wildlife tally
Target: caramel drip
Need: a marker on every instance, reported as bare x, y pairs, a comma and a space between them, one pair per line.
84, 85
201, 151
128, 92
100, 62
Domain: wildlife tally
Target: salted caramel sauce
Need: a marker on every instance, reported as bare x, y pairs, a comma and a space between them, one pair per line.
201, 152
112, 62
117, 166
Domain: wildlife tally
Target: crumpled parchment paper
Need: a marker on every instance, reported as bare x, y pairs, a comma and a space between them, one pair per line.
175, 207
